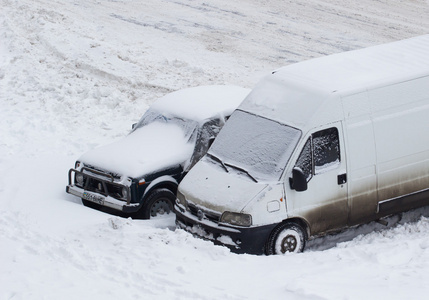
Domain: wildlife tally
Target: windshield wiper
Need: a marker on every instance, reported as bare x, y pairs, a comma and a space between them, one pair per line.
242, 170
218, 160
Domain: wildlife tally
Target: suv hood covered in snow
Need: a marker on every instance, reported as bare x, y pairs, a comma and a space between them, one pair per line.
154, 147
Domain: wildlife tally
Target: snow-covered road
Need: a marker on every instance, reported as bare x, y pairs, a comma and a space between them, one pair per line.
75, 74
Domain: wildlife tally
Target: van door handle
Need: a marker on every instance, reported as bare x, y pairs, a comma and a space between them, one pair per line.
342, 178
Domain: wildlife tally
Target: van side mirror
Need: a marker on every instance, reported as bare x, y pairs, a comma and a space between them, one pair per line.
133, 126
298, 181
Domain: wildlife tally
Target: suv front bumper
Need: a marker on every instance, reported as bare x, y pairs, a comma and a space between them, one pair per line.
101, 198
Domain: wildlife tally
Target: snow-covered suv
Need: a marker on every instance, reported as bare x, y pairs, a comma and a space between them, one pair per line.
139, 174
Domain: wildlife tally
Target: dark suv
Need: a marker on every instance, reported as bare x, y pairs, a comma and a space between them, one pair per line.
138, 175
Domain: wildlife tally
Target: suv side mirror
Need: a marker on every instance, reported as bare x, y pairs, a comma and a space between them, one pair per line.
133, 126
298, 181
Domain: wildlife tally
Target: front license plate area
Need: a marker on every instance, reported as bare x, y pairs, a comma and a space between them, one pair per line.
93, 198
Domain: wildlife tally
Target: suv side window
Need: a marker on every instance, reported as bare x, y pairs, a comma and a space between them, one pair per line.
205, 137
320, 152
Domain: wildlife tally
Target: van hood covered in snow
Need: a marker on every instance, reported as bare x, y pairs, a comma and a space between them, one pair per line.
211, 186
144, 151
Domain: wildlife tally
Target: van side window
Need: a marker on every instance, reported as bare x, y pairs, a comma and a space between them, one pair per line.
321, 151
326, 149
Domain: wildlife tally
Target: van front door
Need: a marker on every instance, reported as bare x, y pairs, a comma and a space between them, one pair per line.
323, 204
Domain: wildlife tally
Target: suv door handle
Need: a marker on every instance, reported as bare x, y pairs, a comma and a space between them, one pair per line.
342, 178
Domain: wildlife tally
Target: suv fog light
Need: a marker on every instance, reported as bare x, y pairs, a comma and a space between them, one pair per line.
238, 219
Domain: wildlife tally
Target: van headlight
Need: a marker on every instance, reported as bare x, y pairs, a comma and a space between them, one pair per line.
181, 199
238, 219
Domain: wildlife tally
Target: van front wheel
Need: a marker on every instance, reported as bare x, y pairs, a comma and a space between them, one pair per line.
285, 238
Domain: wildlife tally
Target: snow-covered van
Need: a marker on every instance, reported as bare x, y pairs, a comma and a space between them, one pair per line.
138, 175
317, 146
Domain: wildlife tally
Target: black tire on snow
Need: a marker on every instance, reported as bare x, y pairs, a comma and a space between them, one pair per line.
159, 202
287, 237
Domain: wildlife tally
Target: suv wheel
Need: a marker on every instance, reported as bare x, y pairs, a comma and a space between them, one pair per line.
159, 203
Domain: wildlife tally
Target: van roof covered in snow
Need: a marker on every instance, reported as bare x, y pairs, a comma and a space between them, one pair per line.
363, 68
296, 93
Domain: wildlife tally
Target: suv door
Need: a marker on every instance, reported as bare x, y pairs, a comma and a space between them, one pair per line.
322, 160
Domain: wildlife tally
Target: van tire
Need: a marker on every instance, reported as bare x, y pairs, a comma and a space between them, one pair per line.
159, 202
288, 237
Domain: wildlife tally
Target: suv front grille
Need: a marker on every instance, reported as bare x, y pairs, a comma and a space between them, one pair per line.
96, 181
95, 185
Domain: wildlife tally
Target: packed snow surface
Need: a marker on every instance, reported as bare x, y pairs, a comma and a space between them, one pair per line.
75, 75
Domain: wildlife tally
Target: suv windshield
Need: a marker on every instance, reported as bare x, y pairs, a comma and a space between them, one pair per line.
255, 145
188, 126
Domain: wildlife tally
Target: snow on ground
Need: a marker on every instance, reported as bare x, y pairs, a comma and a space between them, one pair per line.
76, 74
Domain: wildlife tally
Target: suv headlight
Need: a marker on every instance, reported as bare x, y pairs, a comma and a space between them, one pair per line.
238, 219
79, 179
124, 193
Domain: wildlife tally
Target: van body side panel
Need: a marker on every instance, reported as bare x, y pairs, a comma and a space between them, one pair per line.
400, 118
397, 205
269, 206
361, 158
362, 172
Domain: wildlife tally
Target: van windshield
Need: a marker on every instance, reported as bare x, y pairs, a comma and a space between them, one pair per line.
254, 145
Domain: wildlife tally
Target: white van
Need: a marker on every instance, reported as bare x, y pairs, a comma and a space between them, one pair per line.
317, 146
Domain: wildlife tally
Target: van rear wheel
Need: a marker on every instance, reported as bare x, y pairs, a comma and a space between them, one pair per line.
285, 238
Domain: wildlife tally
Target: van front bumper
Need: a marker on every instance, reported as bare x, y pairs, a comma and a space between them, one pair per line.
250, 240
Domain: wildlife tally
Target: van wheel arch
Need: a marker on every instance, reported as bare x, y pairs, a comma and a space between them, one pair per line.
290, 235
